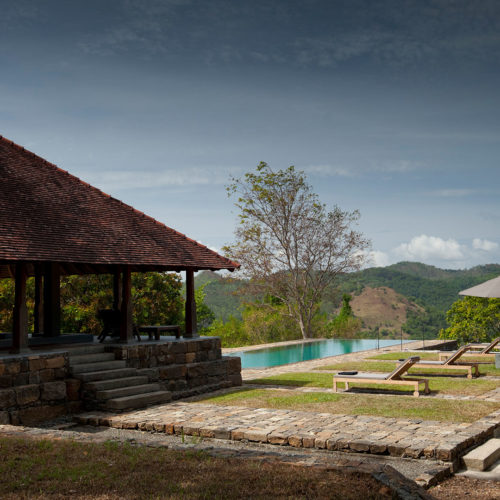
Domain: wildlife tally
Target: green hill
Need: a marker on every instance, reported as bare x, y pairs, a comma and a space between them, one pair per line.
430, 288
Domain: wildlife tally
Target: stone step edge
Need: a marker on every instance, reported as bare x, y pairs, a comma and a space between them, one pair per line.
106, 385
119, 392
98, 366
139, 401
105, 374
482, 457
94, 358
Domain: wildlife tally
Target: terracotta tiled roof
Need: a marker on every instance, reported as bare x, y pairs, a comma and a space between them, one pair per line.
47, 214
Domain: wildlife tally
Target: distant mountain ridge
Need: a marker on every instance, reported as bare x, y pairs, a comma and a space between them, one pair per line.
422, 293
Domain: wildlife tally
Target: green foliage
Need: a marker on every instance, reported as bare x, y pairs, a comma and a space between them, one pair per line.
204, 315
156, 298
259, 325
345, 325
473, 319
81, 297
424, 324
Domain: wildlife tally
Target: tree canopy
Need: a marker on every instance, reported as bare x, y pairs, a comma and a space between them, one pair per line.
156, 297
473, 319
288, 243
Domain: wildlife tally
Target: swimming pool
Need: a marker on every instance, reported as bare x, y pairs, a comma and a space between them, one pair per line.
283, 355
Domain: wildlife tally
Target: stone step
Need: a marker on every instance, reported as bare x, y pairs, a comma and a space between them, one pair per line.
138, 401
106, 374
87, 349
482, 457
116, 383
90, 358
99, 366
127, 391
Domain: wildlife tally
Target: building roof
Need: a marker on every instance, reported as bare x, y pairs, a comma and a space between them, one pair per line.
49, 215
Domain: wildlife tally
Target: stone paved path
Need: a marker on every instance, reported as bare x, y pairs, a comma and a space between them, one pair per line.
396, 437
413, 438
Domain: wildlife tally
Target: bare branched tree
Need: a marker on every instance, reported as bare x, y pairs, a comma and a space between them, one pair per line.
287, 242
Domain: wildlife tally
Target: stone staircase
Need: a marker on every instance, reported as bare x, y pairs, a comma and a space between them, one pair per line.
107, 384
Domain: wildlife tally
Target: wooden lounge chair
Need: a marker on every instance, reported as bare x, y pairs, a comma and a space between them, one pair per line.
393, 378
483, 349
451, 363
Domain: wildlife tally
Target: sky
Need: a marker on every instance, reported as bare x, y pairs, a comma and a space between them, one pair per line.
391, 107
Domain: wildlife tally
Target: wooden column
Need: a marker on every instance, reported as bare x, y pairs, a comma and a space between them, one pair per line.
51, 300
20, 319
117, 289
38, 311
126, 334
191, 328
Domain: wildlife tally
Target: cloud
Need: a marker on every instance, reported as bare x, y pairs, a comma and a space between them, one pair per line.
453, 193
115, 180
485, 245
376, 258
423, 247
330, 171
327, 170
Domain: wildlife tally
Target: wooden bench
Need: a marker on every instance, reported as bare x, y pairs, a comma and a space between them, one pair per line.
156, 330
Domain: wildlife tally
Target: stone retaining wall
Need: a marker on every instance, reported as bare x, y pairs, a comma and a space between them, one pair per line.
33, 388
37, 387
185, 368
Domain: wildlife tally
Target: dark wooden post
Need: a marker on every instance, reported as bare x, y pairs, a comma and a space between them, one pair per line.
38, 311
117, 289
191, 327
51, 300
20, 319
126, 308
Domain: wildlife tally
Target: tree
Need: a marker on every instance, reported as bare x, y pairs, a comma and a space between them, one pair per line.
473, 319
287, 242
156, 297
345, 325
204, 315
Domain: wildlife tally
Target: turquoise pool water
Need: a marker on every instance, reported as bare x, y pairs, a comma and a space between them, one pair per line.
275, 356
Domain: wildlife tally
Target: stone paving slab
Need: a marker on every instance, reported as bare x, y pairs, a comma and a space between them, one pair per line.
414, 438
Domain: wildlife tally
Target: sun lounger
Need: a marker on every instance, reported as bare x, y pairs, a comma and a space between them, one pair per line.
393, 378
483, 349
451, 363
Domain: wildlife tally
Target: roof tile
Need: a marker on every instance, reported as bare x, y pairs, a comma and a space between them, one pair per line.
47, 214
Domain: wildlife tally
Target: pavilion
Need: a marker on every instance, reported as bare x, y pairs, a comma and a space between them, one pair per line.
53, 224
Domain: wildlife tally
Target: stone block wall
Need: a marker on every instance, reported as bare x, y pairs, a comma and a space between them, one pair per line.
33, 388
187, 367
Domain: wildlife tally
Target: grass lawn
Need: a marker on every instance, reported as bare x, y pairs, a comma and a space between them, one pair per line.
65, 469
359, 404
443, 385
388, 365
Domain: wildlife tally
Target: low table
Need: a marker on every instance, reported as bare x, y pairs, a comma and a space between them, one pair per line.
157, 329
